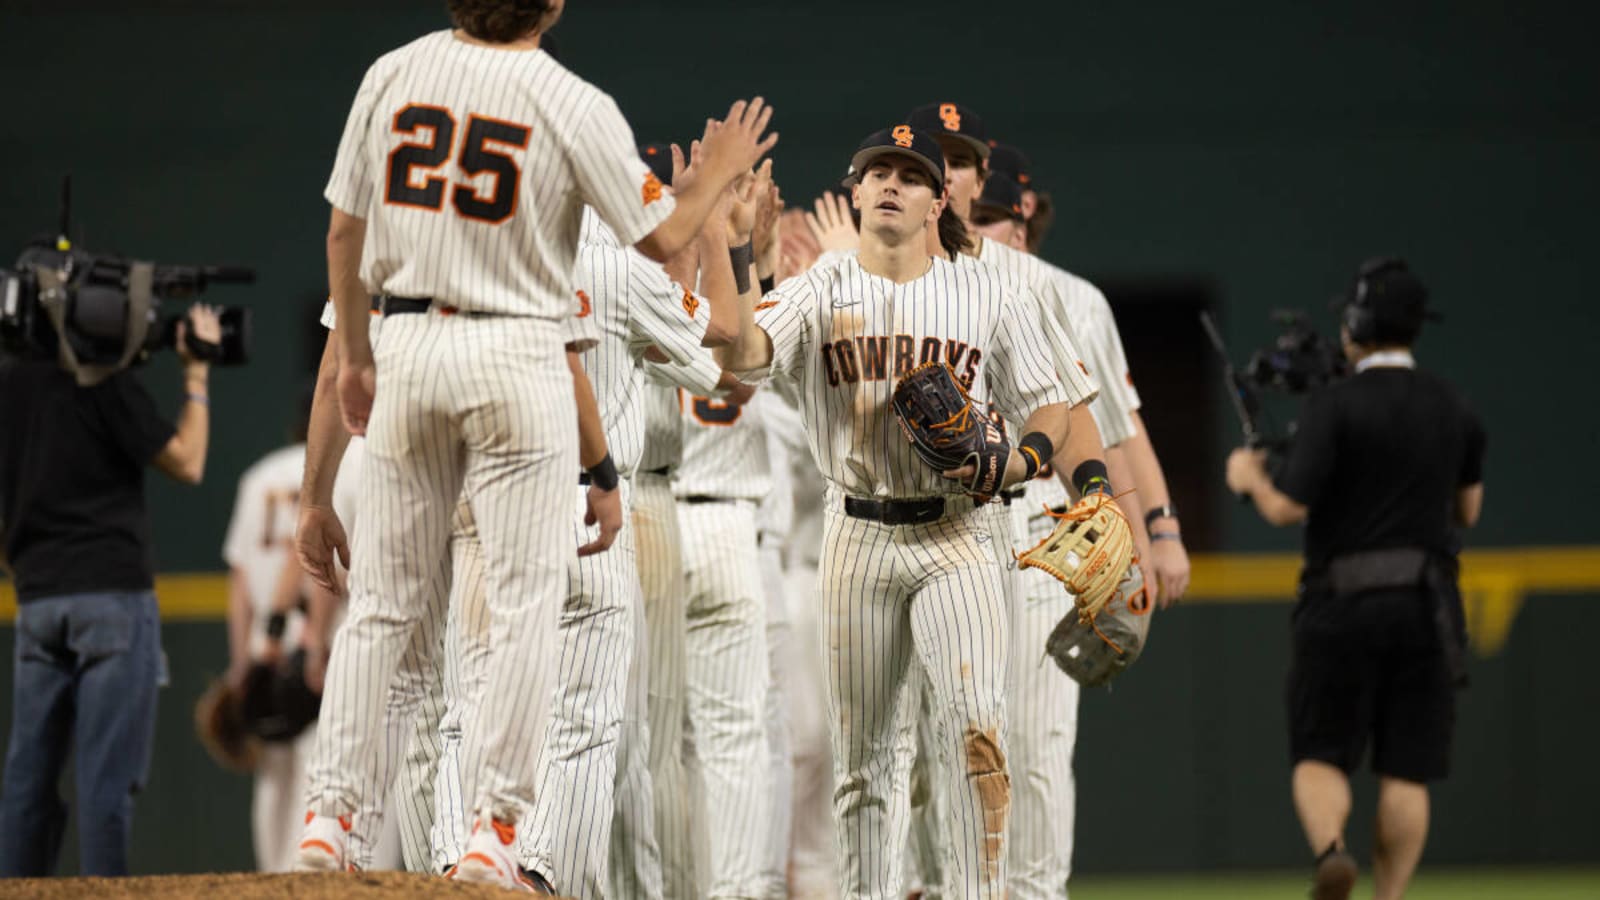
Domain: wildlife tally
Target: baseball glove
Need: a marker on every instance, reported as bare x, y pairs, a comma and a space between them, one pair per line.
1091, 552
275, 703
1094, 650
220, 726
948, 430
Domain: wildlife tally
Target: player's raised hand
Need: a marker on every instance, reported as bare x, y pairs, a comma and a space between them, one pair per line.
768, 236
832, 225
686, 170
605, 510
318, 537
740, 140
742, 215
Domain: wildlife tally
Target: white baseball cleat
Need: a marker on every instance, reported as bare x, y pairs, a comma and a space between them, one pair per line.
491, 859
325, 844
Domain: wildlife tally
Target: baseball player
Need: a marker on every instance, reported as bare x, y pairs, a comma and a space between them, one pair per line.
1045, 702
908, 569
257, 550
593, 742
724, 476
456, 195
329, 504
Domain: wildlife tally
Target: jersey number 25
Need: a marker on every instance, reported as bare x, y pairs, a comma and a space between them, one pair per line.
434, 131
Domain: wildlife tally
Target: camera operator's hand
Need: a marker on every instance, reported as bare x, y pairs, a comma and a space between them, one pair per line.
203, 322
1246, 469
319, 536
358, 384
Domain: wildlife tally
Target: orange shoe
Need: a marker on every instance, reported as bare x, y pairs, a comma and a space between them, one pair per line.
325, 845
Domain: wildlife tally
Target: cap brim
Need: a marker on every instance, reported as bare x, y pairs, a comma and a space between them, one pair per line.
864, 158
981, 147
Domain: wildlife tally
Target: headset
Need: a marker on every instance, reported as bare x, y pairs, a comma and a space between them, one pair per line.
1365, 321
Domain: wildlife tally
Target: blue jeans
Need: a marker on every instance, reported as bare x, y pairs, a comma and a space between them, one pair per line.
87, 670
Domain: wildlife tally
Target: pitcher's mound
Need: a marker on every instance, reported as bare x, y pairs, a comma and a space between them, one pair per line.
253, 886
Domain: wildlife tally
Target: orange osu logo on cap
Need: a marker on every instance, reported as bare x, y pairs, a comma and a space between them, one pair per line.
902, 135
950, 116
652, 188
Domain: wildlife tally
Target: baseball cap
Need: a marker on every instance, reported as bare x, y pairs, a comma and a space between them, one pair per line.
1010, 162
951, 120
659, 158
902, 140
1395, 297
1001, 196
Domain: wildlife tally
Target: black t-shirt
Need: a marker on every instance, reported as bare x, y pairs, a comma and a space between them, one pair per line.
1378, 459
72, 466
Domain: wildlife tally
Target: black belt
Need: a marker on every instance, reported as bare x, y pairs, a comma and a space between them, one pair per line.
895, 512
400, 306
704, 498
664, 471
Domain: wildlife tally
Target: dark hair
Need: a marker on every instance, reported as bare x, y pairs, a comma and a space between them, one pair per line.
1044, 215
953, 236
497, 21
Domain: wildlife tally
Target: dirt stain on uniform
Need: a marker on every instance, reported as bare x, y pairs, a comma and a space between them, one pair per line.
986, 766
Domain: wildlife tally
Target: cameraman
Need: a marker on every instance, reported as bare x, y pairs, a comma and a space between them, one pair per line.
1385, 467
77, 543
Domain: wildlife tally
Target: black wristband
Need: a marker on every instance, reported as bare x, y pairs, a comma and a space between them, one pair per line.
768, 284
276, 623
1164, 511
1091, 476
1037, 451
603, 474
741, 257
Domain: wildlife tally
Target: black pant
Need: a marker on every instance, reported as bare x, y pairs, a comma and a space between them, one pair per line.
1371, 666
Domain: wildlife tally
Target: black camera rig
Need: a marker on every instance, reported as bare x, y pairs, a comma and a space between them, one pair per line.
100, 314
1299, 361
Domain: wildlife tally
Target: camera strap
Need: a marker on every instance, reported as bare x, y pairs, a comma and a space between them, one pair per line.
53, 295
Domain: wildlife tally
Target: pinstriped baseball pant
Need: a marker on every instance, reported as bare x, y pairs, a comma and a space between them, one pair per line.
932, 594
680, 812
484, 406
929, 839
780, 649
727, 689
1043, 706
595, 756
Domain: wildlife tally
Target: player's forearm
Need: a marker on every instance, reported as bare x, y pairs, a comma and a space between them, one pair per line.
719, 285
326, 437
1082, 445
1147, 475
1123, 483
694, 204
750, 348
346, 234
591, 432
240, 617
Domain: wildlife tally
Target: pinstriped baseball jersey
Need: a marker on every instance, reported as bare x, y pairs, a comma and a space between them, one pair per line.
261, 532
724, 451
472, 165
1083, 311
663, 427
635, 305
845, 337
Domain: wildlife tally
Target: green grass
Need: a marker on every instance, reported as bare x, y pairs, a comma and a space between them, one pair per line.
1437, 884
